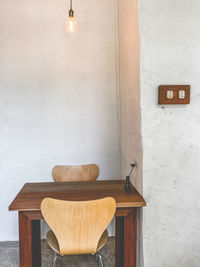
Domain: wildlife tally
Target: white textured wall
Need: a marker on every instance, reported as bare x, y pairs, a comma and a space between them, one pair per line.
58, 101
170, 54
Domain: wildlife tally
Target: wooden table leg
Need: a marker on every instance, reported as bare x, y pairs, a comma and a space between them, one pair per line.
29, 241
130, 239
126, 240
119, 241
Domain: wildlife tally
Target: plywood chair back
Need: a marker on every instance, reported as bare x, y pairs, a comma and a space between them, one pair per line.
62, 173
78, 225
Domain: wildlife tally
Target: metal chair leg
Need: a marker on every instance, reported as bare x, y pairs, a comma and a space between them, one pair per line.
55, 260
96, 257
100, 259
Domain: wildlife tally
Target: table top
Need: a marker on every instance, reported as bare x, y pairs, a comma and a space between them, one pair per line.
31, 194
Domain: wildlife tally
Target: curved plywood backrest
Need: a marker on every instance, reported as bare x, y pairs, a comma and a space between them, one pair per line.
78, 225
62, 173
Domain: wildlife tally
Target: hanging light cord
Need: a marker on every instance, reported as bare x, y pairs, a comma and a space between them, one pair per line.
71, 12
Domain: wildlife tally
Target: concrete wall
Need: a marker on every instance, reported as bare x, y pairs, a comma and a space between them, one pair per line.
58, 99
170, 54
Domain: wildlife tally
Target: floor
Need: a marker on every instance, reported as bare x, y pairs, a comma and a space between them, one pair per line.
9, 256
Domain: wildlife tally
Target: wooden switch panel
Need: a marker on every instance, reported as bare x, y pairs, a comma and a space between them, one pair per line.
174, 94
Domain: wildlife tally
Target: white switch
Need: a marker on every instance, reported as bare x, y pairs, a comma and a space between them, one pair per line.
170, 94
181, 94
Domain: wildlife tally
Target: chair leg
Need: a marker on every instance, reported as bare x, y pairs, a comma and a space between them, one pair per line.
100, 259
55, 260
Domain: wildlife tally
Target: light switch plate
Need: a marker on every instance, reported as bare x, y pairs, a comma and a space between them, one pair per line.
174, 94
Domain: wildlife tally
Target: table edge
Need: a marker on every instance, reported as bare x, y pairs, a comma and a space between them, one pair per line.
122, 205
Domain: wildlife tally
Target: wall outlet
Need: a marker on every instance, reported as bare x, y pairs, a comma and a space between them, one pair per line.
174, 94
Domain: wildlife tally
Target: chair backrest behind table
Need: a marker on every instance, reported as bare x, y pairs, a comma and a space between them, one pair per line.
63, 173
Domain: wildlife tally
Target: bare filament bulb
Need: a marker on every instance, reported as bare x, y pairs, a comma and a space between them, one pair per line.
71, 23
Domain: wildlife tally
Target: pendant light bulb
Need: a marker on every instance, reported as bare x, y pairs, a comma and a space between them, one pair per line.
71, 23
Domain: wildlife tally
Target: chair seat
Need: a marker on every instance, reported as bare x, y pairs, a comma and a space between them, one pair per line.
102, 241
53, 243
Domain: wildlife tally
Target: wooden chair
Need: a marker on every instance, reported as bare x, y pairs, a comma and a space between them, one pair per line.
78, 227
62, 173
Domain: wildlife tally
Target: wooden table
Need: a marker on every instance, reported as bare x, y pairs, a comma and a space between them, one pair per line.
28, 200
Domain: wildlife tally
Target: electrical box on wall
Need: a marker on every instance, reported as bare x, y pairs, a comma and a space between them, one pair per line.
174, 94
